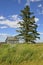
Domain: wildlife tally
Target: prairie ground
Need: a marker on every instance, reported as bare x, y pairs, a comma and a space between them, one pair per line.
21, 54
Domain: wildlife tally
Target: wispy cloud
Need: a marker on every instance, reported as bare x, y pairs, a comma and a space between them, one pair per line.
4, 34
19, 1
14, 17
41, 33
2, 17
35, 0
36, 19
40, 9
10, 23
29, 1
40, 12
40, 5
2, 27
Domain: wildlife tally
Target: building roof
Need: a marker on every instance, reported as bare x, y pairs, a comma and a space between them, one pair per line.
12, 38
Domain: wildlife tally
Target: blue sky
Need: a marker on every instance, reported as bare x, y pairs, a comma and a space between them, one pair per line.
9, 16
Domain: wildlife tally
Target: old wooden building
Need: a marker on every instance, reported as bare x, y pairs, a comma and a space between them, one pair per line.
12, 40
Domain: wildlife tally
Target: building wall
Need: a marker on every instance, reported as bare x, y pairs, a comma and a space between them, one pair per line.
12, 42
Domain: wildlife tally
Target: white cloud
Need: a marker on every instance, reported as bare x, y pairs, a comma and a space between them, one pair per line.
4, 34
3, 37
11, 23
28, 2
36, 19
35, 0
40, 11
40, 5
1, 17
41, 33
15, 17
3, 27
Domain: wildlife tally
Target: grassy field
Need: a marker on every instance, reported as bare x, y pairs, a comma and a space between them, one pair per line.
21, 54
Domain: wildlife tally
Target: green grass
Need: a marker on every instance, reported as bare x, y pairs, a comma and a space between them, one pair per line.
21, 54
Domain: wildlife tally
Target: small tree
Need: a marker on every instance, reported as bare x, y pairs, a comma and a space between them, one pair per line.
28, 27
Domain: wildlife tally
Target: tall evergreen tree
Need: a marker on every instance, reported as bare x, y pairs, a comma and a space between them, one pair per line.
28, 27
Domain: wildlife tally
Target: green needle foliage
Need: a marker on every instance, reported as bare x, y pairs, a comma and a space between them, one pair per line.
28, 26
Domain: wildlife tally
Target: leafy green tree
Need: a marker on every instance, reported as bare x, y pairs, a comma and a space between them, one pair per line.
28, 26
